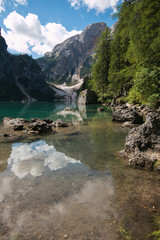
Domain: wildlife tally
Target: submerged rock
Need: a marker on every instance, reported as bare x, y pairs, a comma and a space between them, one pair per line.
59, 123
5, 138
73, 133
101, 109
142, 146
128, 125
15, 123
6, 135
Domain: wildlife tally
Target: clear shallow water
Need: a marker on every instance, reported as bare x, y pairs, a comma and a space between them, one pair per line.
71, 184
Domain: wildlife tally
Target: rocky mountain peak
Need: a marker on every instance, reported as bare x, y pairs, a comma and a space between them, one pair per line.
91, 31
64, 62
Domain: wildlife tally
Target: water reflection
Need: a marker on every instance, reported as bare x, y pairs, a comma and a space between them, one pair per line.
5, 187
80, 212
74, 114
46, 186
70, 201
32, 158
33, 109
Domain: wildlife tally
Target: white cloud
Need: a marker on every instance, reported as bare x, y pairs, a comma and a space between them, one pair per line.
2, 8
13, 2
99, 5
21, 2
75, 3
27, 33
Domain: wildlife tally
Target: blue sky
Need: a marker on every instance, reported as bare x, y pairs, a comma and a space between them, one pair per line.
36, 26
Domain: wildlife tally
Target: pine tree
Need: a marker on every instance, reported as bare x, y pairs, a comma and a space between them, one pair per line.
100, 69
121, 70
145, 31
130, 62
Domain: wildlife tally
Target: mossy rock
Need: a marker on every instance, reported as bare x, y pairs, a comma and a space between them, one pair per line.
157, 166
121, 100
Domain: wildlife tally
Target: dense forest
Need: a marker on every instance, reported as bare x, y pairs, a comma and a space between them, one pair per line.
126, 62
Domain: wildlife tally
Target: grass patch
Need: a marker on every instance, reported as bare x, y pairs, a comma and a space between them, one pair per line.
156, 233
126, 234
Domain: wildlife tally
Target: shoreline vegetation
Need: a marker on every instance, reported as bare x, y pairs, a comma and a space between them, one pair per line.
126, 63
126, 75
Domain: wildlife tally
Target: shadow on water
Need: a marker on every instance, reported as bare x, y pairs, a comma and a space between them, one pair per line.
72, 183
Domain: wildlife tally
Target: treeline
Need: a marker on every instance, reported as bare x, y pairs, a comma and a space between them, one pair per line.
127, 61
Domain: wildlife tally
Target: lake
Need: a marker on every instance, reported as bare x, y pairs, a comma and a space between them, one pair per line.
72, 184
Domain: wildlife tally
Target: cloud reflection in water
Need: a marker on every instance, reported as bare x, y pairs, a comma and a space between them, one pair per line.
32, 158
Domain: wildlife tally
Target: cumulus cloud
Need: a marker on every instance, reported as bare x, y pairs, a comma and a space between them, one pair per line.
26, 34
99, 5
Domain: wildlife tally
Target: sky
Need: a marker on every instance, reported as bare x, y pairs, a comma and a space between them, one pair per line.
36, 26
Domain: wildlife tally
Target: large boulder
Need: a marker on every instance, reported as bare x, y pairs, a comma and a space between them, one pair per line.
87, 97
142, 146
39, 126
125, 114
15, 123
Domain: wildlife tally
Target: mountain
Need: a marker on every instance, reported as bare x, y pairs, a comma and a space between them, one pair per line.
21, 78
72, 58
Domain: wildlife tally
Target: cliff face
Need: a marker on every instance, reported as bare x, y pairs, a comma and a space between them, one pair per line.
65, 61
21, 77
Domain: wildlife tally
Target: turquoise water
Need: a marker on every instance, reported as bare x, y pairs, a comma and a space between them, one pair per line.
43, 110
29, 110
72, 184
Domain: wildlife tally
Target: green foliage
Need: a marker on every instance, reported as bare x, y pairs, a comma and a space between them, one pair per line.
134, 58
100, 69
156, 233
145, 31
122, 67
146, 88
126, 234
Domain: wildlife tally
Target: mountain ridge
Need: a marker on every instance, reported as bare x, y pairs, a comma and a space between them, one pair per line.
63, 64
21, 78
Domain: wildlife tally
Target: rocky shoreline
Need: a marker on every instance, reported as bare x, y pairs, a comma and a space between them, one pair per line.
142, 145
35, 126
